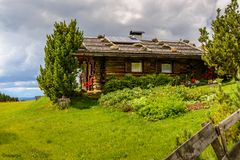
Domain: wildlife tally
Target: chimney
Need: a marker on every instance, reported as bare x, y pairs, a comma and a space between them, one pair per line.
136, 34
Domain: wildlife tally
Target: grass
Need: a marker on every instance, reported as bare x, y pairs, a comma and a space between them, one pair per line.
230, 87
36, 130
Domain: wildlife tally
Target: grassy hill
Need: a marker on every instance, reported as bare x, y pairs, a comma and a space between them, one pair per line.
35, 130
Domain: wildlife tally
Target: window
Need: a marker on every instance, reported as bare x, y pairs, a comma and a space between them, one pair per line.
167, 68
136, 66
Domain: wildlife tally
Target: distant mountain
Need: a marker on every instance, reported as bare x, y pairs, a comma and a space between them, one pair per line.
26, 98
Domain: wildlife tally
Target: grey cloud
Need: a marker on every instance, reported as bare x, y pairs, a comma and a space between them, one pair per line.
28, 84
24, 25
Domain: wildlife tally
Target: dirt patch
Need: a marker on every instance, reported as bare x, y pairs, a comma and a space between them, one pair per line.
195, 106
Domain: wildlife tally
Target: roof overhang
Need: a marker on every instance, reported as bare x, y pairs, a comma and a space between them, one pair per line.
137, 55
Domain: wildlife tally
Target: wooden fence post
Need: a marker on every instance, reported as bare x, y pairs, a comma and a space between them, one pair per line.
216, 145
209, 134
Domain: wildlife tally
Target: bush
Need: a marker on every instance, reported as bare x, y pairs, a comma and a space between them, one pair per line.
223, 106
193, 94
120, 98
185, 93
157, 108
154, 103
143, 82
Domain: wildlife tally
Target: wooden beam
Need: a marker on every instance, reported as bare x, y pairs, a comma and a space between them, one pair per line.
230, 121
217, 146
235, 154
192, 148
225, 125
218, 149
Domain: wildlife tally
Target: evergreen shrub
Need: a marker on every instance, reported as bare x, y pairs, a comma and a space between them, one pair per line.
57, 77
223, 106
144, 82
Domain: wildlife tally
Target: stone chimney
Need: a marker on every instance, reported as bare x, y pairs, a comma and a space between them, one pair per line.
136, 34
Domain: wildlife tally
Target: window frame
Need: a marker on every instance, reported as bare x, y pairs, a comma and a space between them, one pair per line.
170, 71
141, 65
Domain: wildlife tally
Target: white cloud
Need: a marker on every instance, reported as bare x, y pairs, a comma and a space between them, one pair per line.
2, 72
125, 16
22, 91
24, 83
20, 88
127, 11
222, 3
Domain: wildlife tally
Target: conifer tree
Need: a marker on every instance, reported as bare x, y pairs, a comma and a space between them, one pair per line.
58, 77
6, 98
222, 49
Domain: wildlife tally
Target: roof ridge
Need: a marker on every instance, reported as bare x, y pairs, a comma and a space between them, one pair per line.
192, 46
90, 37
159, 40
149, 40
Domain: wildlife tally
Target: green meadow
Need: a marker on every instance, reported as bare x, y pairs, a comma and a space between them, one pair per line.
37, 130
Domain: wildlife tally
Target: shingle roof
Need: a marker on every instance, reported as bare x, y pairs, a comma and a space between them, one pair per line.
103, 46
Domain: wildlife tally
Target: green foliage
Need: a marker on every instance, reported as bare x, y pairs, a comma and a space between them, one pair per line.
222, 50
236, 97
58, 77
183, 137
143, 82
120, 99
6, 98
157, 108
224, 106
155, 103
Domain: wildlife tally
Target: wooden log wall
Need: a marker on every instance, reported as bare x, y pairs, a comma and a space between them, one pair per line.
105, 67
121, 66
152, 67
180, 66
114, 66
194, 67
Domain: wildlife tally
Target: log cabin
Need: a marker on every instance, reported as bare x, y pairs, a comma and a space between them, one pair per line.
106, 56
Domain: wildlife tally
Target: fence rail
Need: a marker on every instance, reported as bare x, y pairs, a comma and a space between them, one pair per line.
209, 135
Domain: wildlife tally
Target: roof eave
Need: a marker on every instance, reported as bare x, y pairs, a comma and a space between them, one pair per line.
141, 54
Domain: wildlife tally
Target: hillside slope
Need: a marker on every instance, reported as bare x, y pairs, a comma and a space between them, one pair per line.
35, 130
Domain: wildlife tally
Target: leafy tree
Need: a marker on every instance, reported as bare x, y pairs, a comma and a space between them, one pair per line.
58, 77
222, 50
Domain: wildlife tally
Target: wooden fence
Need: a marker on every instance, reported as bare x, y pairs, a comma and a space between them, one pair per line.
209, 135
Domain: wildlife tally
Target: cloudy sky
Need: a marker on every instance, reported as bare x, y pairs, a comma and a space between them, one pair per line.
24, 25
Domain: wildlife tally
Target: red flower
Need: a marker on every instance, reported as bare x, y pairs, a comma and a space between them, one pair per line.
194, 80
